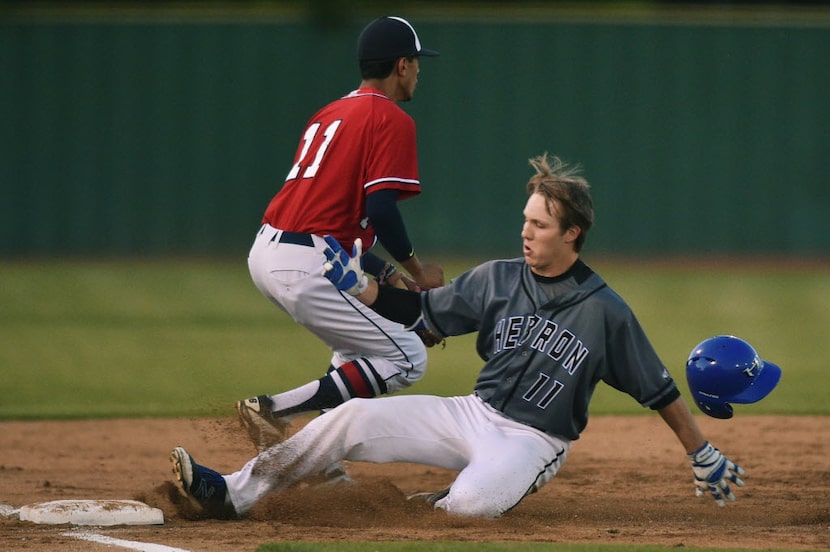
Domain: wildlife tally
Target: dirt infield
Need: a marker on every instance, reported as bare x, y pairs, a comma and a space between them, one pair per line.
626, 481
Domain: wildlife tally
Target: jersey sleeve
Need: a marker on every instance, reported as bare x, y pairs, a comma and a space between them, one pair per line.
459, 307
633, 365
393, 162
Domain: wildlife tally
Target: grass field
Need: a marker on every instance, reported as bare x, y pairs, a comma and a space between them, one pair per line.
169, 338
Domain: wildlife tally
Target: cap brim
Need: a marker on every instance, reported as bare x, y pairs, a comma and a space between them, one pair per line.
427, 52
764, 383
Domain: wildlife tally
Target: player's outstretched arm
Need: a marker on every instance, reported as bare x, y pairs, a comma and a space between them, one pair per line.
712, 470
390, 301
382, 210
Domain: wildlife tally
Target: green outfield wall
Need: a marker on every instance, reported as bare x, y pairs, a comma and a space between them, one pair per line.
148, 132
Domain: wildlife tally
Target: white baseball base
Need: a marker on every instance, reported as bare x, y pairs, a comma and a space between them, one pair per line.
92, 512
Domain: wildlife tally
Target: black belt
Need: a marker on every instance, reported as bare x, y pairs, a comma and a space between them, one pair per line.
296, 238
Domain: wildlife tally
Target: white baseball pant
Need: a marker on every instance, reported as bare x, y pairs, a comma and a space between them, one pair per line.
291, 276
499, 460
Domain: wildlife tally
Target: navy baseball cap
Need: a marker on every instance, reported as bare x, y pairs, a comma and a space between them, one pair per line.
390, 38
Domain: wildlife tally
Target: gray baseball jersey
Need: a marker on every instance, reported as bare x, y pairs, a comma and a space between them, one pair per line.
546, 345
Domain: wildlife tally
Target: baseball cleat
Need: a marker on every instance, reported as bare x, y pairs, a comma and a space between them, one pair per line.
257, 417
203, 484
430, 497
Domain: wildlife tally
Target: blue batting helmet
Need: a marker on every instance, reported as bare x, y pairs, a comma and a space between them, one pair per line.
726, 369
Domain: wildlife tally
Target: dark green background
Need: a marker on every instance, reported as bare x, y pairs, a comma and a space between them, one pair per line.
150, 132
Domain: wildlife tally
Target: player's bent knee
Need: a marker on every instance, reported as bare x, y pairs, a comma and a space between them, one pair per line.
415, 357
406, 376
400, 382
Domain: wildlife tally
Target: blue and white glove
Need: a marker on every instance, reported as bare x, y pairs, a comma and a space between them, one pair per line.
346, 273
713, 471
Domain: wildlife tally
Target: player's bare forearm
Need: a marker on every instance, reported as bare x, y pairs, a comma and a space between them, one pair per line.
370, 294
678, 417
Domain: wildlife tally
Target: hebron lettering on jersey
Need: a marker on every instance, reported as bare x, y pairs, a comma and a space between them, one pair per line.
545, 336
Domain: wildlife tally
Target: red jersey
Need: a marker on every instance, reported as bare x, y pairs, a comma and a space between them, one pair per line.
354, 146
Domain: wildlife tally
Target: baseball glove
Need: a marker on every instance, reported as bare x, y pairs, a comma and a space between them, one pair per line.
430, 339
390, 276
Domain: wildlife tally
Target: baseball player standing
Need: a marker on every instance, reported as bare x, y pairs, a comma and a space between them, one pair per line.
356, 159
549, 329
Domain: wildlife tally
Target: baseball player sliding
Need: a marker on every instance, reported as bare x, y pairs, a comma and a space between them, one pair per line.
549, 329
356, 159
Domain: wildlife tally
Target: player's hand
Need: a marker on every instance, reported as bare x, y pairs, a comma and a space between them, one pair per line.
713, 471
391, 276
409, 283
346, 273
431, 276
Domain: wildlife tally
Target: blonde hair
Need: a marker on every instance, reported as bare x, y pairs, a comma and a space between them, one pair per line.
557, 181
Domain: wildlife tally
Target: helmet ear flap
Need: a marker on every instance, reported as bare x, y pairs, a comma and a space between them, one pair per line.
722, 411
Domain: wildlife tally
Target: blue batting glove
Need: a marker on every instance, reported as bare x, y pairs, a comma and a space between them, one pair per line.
713, 471
345, 272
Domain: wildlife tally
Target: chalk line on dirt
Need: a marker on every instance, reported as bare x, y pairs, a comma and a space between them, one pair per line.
131, 545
